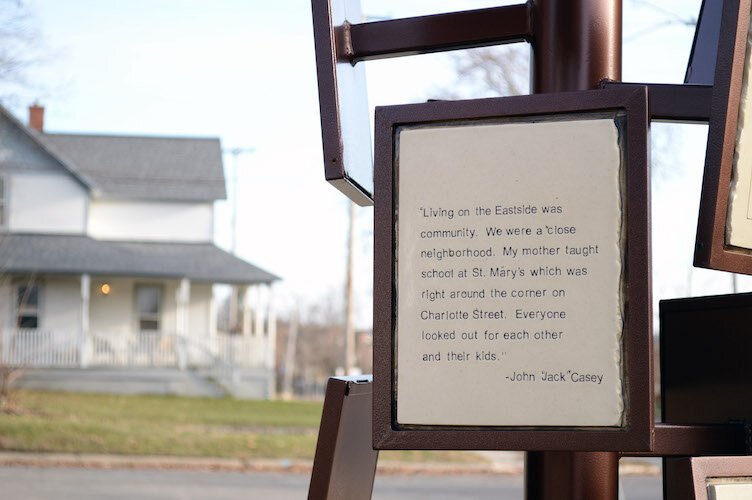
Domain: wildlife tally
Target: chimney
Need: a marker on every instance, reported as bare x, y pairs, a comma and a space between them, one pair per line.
36, 117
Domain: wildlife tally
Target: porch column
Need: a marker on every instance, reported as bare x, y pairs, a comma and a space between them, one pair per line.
271, 342
213, 316
234, 326
247, 308
182, 301
271, 330
258, 313
83, 341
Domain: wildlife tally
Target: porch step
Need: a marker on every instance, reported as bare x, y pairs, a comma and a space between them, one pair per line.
165, 381
242, 383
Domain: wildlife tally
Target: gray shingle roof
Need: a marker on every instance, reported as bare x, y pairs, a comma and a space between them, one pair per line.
159, 168
73, 254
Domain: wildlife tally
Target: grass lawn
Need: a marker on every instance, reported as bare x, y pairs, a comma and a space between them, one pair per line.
166, 425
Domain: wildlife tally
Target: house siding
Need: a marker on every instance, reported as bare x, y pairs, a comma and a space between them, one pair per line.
151, 221
111, 314
19, 152
169, 303
115, 314
6, 299
199, 315
45, 202
60, 305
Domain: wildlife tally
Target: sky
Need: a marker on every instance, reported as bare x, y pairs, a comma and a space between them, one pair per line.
244, 71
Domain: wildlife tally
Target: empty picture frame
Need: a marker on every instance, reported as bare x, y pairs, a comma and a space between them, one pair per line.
704, 381
702, 59
724, 231
709, 478
510, 235
343, 102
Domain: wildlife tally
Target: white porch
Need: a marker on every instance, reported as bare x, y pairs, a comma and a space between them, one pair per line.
89, 321
49, 349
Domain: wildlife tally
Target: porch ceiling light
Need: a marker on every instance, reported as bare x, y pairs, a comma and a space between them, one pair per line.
105, 289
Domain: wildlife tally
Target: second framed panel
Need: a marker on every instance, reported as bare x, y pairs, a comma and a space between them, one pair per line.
724, 231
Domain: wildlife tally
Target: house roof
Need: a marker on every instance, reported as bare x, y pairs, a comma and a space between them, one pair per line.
158, 168
75, 254
45, 146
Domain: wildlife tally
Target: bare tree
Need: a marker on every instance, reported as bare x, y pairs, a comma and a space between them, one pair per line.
504, 70
310, 344
488, 72
8, 375
668, 18
12, 366
291, 345
21, 49
349, 319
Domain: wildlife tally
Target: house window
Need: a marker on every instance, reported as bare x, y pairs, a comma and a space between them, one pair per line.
27, 306
149, 307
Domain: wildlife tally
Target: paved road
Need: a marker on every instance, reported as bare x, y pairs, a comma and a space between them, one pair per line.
25, 483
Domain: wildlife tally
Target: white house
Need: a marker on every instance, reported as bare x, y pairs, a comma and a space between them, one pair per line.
107, 255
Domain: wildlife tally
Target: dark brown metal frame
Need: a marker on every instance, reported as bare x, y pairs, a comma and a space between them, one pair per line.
439, 32
344, 466
331, 57
711, 250
337, 47
536, 21
637, 435
673, 102
702, 59
704, 381
689, 477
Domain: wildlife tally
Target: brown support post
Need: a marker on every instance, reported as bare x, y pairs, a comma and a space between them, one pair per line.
568, 475
576, 44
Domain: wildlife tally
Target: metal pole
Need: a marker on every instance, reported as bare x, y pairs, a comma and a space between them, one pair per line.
567, 475
349, 360
235, 153
576, 44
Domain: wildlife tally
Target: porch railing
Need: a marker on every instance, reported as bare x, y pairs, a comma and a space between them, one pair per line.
27, 347
142, 349
47, 349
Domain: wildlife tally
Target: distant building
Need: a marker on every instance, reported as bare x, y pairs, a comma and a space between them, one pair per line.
107, 255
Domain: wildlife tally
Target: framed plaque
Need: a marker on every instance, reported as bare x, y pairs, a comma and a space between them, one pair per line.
710, 478
512, 262
724, 231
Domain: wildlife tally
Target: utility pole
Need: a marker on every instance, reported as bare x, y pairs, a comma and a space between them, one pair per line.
233, 182
233, 192
292, 342
350, 296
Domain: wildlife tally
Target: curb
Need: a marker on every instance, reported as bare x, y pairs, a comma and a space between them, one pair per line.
93, 461
387, 467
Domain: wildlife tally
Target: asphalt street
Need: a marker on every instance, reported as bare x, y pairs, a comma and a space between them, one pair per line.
29, 483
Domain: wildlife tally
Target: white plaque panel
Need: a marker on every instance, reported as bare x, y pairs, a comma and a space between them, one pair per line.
739, 218
509, 273
737, 490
